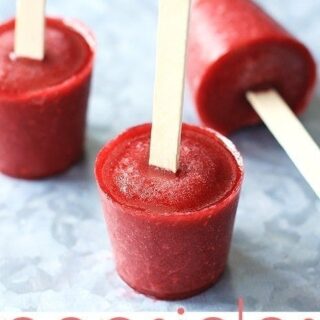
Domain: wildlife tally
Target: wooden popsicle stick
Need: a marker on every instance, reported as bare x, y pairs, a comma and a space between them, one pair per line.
290, 133
169, 85
29, 29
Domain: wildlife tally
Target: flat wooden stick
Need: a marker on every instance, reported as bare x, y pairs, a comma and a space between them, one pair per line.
290, 133
29, 29
169, 85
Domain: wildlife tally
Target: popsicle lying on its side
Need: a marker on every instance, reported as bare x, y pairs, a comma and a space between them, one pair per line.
244, 68
235, 47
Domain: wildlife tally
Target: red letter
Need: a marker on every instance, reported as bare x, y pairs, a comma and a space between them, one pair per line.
240, 308
181, 311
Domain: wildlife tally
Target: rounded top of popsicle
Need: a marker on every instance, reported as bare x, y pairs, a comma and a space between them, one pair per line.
69, 51
210, 170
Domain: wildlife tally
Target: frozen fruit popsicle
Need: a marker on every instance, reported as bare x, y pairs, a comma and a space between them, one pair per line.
235, 47
244, 67
170, 232
43, 103
170, 199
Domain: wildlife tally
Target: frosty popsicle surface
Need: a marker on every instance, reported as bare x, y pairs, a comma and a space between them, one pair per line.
170, 233
236, 47
43, 103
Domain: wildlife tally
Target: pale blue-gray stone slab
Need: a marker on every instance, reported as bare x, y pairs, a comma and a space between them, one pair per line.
54, 252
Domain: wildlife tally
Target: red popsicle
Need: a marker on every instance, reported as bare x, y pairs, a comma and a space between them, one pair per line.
235, 47
170, 232
43, 103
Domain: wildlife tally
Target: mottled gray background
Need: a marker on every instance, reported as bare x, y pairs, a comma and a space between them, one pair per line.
54, 252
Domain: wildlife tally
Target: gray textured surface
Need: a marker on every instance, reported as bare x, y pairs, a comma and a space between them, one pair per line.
54, 254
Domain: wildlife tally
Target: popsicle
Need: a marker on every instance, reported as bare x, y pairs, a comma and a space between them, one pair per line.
241, 63
170, 198
170, 233
43, 103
